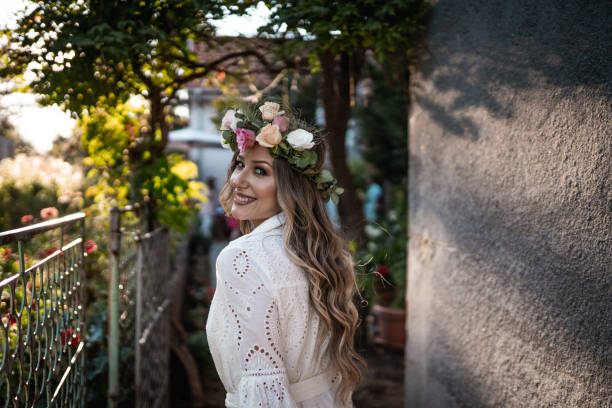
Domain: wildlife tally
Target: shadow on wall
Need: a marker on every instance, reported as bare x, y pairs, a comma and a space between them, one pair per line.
512, 46
555, 301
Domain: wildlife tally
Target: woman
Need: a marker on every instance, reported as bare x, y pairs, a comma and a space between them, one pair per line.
282, 321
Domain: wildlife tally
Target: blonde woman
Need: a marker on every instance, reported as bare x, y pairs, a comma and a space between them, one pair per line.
282, 320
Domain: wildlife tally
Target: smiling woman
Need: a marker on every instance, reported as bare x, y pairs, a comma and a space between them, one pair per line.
254, 186
282, 321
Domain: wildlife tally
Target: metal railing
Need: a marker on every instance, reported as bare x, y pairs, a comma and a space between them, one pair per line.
138, 320
42, 355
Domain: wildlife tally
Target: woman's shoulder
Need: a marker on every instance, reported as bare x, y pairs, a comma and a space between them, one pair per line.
264, 254
254, 245
252, 251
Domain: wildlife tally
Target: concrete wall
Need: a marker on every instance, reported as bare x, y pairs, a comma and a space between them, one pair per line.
510, 252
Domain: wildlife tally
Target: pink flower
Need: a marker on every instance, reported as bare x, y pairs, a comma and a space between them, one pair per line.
282, 122
232, 222
27, 218
245, 139
49, 212
229, 120
90, 246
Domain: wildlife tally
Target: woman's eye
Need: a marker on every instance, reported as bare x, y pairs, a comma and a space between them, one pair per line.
240, 164
260, 171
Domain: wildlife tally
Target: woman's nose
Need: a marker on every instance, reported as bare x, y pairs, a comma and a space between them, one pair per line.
239, 179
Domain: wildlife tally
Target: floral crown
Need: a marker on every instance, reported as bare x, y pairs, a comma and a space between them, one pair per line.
269, 127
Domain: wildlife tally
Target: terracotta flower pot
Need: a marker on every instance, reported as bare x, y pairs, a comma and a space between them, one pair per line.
391, 325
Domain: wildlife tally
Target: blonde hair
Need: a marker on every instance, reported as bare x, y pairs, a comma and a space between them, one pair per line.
314, 244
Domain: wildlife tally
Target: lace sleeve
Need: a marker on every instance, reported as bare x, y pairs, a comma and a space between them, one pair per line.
253, 312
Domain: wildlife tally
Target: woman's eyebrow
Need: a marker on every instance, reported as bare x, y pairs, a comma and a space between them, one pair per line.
262, 161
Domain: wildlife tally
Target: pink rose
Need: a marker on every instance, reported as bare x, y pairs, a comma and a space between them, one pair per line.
245, 139
49, 212
229, 120
282, 122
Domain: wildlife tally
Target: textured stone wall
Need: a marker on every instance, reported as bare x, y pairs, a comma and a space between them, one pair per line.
510, 251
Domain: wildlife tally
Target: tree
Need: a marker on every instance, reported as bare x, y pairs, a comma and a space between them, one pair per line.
91, 56
99, 52
337, 35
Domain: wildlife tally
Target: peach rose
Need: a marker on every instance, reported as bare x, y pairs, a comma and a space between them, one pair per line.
269, 136
270, 110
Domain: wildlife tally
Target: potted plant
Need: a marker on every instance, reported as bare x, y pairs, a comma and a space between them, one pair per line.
383, 281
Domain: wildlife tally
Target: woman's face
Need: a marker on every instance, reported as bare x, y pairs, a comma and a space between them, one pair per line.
254, 185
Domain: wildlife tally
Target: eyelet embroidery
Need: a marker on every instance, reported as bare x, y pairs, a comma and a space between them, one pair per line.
259, 360
241, 263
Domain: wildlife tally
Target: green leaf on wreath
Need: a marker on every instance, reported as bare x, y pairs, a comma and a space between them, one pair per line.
326, 176
335, 199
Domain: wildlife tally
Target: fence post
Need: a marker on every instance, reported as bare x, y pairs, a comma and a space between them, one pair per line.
137, 351
83, 312
113, 308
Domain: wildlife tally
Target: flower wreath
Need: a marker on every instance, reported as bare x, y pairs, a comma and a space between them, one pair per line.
270, 128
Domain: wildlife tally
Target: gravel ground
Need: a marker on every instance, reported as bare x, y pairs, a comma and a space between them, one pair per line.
382, 384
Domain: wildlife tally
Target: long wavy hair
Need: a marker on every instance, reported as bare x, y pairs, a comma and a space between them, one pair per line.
313, 243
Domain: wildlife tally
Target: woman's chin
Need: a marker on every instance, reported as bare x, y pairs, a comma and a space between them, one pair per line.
238, 212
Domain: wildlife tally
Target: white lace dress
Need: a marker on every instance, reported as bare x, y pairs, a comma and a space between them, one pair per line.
261, 329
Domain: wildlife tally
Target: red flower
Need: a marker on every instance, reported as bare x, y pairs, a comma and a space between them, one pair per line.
90, 246
74, 340
383, 270
50, 251
27, 218
6, 253
11, 320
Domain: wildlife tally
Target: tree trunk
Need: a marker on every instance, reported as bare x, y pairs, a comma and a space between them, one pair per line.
158, 120
340, 73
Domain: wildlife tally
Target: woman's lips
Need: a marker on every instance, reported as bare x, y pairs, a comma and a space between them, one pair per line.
242, 199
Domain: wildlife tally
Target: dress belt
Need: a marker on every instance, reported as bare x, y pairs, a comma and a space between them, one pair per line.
310, 388
300, 391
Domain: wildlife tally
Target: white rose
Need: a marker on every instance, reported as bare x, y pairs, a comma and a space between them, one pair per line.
300, 139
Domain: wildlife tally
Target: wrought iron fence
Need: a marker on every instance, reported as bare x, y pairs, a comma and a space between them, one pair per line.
42, 355
138, 302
